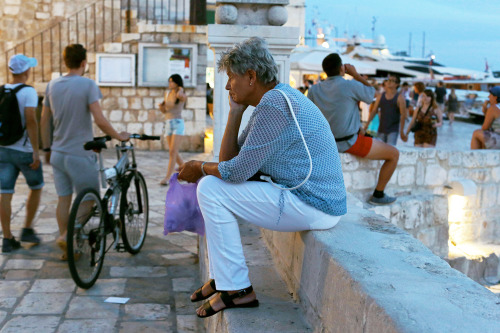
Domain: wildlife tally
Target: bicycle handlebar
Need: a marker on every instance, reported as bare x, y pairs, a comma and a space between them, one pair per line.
132, 136
99, 142
144, 137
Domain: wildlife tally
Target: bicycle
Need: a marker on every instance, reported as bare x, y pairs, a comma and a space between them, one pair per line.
123, 211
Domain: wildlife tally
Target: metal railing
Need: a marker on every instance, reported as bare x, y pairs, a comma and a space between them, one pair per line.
163, 11
96, 24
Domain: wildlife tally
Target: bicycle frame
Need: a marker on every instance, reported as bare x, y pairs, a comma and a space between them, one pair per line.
119, 213
112, 179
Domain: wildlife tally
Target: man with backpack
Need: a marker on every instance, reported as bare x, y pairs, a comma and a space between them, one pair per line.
19, 149
72, 100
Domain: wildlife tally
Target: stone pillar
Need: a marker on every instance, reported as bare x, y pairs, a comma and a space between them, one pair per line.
238, 20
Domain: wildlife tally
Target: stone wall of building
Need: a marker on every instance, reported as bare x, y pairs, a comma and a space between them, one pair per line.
21, 19
135, 109
419, 183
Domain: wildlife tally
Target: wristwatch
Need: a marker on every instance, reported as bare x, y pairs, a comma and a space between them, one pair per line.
46, 149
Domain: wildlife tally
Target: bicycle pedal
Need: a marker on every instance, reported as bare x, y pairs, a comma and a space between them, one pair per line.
120, 248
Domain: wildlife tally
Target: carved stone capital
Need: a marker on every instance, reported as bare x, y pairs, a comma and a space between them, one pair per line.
251, 12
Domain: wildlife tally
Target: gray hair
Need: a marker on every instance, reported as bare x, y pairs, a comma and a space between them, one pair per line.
252, 53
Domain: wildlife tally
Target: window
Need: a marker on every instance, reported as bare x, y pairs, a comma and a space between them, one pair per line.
157, 62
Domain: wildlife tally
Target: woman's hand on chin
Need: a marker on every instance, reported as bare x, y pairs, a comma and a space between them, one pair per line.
235, 107
190, 171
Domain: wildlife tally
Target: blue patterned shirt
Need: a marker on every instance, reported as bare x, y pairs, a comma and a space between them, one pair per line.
271, 143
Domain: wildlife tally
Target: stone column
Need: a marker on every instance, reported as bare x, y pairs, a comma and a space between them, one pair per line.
238, 20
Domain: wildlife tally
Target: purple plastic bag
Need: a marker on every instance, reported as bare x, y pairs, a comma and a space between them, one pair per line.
182, 211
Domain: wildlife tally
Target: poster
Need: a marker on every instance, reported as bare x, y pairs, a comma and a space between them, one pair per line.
157, 62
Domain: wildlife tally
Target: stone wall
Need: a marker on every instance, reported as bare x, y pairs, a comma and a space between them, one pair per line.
135, 109
419, 183
21, 19
365, 275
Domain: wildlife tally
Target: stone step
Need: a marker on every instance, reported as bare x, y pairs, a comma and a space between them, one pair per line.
479, 261
129, 37
277, 311
112, 47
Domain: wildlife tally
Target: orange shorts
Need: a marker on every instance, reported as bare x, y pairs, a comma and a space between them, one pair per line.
361, 147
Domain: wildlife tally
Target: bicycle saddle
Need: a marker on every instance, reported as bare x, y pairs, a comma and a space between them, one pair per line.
95, 145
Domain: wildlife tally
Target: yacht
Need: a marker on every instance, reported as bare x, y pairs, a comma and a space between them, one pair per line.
422, 69
376, 61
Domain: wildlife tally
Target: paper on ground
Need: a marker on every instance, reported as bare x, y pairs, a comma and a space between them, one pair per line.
117, 300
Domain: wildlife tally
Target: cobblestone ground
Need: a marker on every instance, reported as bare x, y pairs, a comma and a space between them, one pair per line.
37, 293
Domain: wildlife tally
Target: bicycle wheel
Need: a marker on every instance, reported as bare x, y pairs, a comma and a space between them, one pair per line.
134, 212
86, 239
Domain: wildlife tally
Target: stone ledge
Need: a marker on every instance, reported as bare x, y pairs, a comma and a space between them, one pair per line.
367, 275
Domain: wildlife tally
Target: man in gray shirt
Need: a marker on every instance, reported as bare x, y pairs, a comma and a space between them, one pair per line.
71, 100
338, 99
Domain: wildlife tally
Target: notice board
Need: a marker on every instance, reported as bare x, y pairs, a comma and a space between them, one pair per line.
115, 69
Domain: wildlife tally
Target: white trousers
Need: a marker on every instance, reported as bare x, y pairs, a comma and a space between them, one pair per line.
224, 204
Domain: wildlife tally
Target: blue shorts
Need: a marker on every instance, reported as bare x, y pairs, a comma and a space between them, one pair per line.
11, 162
174, 126
391, 138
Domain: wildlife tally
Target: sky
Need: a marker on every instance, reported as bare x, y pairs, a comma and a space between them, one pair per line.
460, 33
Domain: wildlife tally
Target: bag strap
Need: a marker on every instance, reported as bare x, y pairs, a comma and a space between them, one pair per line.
19, 87
426, 112
267, 178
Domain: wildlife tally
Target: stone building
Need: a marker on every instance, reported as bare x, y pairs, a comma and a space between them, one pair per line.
42, 28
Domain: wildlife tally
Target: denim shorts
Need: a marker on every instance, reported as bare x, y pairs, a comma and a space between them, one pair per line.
174, 126
391, 138
14, 161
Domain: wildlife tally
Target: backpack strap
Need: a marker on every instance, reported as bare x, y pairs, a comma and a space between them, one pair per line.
19, 87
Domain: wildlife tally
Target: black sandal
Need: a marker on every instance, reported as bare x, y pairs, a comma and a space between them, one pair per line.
199, 295
228, 302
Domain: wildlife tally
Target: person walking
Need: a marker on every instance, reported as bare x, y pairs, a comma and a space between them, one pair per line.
172, 107
338, 98
72, 100
392, 107
286, 138
427, 118
20, 155
440, 94
418, 88
488, 136
452, 105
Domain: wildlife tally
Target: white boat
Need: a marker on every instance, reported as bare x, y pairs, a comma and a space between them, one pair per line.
376, 61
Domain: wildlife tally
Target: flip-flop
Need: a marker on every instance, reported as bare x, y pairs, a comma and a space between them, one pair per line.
228, 302
199, 295
61, 243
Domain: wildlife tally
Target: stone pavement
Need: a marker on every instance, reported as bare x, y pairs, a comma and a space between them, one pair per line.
37, 293
454, 137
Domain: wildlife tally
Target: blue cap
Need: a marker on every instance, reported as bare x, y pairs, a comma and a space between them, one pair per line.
495, 91
20, 63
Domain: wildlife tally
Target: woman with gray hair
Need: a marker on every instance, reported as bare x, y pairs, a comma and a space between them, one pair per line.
288, 142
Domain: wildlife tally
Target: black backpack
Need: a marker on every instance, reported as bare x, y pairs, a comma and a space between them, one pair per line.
11, 126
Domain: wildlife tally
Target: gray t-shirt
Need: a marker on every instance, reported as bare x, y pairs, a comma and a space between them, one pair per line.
69, 98
338, 99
